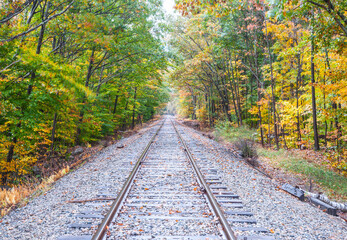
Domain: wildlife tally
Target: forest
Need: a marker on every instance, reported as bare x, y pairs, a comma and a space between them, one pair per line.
75, 71
275, 66
72, 72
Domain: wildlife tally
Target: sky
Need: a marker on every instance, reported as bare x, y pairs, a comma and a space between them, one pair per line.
168, 6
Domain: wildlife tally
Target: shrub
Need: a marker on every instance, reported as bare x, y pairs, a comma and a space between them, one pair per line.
247, 148
230, 132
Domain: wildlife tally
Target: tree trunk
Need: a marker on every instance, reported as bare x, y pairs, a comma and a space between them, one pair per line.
11, 151
124, 125
251, 93
134, 108
324, 107
298, 81
100, 79
334, 107
259, 114
272, 89
236, 93
80, 119
229, 65
115, 104
269, 126
30, 86
314, 108
53, 131
193, 101
210, 108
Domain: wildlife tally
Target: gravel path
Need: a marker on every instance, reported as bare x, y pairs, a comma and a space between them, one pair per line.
50, 216
285, 216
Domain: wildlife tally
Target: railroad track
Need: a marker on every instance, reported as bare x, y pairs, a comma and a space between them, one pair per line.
168, 196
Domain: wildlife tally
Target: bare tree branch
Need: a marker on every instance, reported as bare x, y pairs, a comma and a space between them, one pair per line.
16, 12
39, 25
10, 65
331, 10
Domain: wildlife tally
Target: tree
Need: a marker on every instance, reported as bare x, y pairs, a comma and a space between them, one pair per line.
67, 70
275, 64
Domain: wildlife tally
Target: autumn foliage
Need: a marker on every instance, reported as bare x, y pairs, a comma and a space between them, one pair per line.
72, 72
277, 66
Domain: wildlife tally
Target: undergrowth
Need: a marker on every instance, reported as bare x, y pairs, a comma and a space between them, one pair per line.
332, 182
19, 195
326, 178
9, 198
247, 148
232, 133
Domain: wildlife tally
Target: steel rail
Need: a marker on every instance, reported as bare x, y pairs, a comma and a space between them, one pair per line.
229, 233
103, 226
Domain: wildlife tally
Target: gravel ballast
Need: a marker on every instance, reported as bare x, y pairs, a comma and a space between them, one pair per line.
51, 215
164, 199
284, 215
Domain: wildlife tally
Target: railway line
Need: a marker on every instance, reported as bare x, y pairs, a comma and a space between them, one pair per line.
169, 195
166, 199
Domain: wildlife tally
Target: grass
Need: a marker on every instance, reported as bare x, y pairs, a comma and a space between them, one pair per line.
18, 195
334, 184
229, 132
